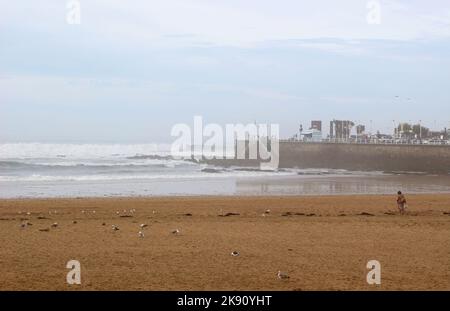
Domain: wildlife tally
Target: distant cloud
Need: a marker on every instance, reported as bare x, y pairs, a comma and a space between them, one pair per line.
232, 22
272, 95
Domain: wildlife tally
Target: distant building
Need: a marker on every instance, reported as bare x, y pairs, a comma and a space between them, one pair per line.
316, 125
340, 129
312, 135
360, 129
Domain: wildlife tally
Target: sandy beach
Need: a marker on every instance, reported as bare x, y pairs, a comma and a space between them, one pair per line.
322, 243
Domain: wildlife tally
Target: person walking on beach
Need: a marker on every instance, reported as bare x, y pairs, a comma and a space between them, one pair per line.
401, 202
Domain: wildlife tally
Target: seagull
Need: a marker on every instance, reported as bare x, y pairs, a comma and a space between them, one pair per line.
54, 225
28, 213
117, 212
267, 211
235, 254
282, 276
115, 228
176, 231
141, 234
143, 226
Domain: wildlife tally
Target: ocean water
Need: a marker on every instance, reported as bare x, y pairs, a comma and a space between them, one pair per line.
68, 170
36, 170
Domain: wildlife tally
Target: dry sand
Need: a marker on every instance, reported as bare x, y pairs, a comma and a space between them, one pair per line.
325, 251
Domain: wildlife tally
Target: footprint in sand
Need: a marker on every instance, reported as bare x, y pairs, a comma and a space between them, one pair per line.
229, 214
366, 214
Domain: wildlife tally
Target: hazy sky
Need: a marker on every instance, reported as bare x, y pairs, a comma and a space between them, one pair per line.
132, 69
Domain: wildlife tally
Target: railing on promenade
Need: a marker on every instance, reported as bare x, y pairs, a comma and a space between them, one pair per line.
374, 142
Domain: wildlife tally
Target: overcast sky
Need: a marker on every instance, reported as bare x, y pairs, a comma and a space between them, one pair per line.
132, 69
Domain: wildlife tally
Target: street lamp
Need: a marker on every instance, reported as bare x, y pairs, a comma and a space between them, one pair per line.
395, 130
301, 131
420, 131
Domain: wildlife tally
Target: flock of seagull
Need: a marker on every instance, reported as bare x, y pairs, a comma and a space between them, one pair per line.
141, 234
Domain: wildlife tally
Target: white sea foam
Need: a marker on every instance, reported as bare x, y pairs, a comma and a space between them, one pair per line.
101, 177
79, 151
90, 163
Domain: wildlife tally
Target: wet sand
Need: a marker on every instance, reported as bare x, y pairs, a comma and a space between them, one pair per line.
306, 182
322, 243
